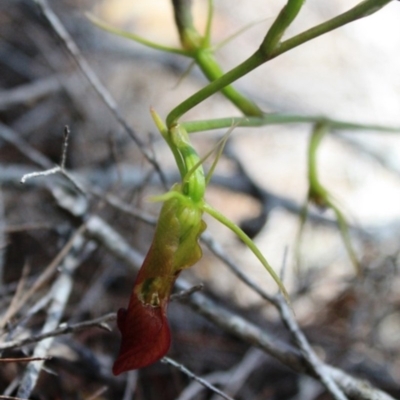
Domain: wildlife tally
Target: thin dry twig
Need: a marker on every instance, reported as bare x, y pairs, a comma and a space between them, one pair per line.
37, 174
131, 383
356, 388
194, 389
186, 293
238, 375
119, 205
308, 353
97, 393
54, 170
24, 359
17, 295
11, 387
64, 151
28, 227
192, 375
62, 329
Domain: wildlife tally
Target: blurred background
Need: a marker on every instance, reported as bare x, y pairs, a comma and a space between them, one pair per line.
260, 183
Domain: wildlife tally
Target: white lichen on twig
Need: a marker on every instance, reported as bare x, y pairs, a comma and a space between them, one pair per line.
56, 169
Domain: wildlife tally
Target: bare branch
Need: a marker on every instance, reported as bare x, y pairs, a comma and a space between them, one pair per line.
355, 388
67, 133
192, 375
97, 394
24, 359
186, 293
60, 168
308, 353
131, 384
62, 329
37, 174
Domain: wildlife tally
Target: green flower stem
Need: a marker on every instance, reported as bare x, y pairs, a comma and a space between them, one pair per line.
206, 61
249, 243
362, 10
321, 197
183, 14
135, 38
345, 234
198, 47
278, 119
207, 32
167, 137
278, 28
316, 137
242, 69
189, 37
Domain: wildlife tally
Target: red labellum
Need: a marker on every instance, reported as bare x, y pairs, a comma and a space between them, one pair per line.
145, 335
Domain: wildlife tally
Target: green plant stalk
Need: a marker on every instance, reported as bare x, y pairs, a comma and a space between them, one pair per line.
297, 246
198, 47
249, 243
321, 197
345, 234
165, 134
136, 38
279, 119
316, 191
189, 37
362, 10
207, 31
205, 60
242, 69
318, 133
278, 28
